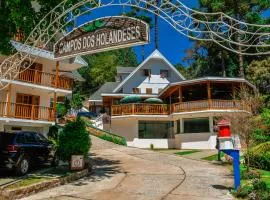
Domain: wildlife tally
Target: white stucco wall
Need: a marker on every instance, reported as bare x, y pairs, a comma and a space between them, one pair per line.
157, 143
138, 80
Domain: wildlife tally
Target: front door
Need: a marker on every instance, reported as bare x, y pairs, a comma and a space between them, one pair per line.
27, 106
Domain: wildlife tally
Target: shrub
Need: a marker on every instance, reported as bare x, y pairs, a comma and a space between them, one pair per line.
252, 174
152, 147
73, 140
243, 192
260, 156
61, 110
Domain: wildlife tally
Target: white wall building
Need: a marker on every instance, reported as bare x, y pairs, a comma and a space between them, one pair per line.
28, 102
185, 119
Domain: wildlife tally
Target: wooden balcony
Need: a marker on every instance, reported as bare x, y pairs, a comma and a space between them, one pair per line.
140, 109
163, 109
26, 111
45, 79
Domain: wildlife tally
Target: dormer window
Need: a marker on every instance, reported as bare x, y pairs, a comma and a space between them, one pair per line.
164, 73
147, 72
136, 90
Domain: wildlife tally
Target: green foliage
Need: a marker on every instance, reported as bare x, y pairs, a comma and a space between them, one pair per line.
152, 147
61, 110
259, 156
259, 73
53, 132
115, 140
209, 59
77, 101
102, 68
251, 174
73, 140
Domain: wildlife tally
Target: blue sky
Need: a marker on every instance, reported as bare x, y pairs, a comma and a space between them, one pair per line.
171, 43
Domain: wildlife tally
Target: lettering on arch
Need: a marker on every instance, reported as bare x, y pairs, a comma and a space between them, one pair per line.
103, 34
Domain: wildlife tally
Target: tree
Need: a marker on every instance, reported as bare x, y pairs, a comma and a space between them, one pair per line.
244, 124
215, 59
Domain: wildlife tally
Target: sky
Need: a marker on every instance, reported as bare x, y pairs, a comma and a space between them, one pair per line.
172, 44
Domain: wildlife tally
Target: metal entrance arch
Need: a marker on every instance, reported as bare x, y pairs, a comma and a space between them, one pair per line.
230, 33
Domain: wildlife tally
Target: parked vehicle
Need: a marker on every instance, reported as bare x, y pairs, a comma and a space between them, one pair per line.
21, 150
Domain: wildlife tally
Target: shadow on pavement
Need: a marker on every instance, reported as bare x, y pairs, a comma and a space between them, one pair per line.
102, 168
222, 187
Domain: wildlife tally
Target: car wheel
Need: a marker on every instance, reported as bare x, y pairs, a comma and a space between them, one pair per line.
23, 167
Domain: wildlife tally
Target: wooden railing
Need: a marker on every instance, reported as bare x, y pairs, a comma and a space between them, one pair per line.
210, 105
163, 109
26, 111
46, 79
140, 109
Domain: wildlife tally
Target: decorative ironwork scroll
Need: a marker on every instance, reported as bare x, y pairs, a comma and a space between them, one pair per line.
232, 34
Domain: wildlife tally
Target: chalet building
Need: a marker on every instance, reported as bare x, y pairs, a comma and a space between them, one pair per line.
28, 103
185, 119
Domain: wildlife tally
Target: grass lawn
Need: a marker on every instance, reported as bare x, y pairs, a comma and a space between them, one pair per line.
181, 153
213, 157
27, 182
41, 177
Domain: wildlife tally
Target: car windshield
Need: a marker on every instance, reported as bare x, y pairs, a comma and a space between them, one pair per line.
6, 139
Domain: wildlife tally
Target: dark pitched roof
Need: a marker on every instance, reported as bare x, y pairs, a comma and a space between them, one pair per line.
125, 70
105, 88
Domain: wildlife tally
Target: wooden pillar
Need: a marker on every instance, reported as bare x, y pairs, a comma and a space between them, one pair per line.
170, 104
209, 96
8, 101
57, 74
180, 94
54, 105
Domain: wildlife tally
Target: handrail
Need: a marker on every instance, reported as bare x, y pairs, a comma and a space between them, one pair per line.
45, 78
165, 109
26, 111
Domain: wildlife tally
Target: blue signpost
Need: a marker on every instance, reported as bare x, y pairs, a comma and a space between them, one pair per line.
234, 153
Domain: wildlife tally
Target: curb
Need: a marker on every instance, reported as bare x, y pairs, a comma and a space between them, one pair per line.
38, 187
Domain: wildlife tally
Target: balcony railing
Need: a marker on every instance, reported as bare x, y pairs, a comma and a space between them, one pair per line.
26, 111
163, 109
46, 79
140, 109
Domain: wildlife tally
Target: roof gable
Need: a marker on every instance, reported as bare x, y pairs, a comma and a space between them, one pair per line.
155, 55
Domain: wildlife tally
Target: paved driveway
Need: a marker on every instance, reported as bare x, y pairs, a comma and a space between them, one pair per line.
129, 173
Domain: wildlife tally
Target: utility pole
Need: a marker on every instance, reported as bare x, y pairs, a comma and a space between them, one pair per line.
156, 26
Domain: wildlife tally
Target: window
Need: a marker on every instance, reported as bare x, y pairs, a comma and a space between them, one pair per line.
136, 90
159, 90
196, 125
29, 138
40, 138
148, 90
155, 129
20, 138
147, 72
164, 73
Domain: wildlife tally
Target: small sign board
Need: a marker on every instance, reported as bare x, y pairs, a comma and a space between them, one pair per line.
102, 34
77, 162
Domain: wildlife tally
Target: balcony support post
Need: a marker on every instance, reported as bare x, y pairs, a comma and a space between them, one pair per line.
32, 111
180, 94
209, 96
54, 105
57, 74
8, 101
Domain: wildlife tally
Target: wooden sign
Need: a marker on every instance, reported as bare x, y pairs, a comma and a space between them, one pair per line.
103, 34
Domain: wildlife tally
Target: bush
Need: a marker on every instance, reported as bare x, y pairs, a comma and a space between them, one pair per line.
152, 147
259, 156
53, 133
61, 110
252, 174
73, 140
243, 192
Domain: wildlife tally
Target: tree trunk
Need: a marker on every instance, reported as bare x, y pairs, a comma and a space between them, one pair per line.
241, 64
156, 27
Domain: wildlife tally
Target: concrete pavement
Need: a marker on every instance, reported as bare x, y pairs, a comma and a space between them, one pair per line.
129, 173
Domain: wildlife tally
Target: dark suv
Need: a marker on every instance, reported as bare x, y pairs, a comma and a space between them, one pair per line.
21, 150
